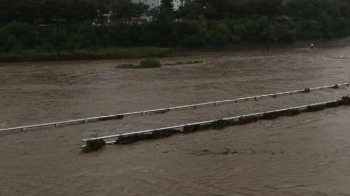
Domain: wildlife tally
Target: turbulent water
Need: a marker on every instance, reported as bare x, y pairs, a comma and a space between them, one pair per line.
308, 154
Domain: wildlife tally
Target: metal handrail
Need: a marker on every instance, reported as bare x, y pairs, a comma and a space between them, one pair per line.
302, 107
164, 110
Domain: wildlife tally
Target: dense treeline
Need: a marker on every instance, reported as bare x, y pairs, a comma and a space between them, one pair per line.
300, 9
85, 11
68, 24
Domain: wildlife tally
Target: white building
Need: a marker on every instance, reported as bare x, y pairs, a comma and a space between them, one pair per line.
156, 3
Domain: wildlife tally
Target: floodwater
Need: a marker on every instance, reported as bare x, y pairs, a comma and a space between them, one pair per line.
308, 154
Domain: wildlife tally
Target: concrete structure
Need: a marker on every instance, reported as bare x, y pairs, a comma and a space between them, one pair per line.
157, 3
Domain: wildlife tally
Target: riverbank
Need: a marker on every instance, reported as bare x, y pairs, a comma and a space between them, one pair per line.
95, 54
157, 52
261, 46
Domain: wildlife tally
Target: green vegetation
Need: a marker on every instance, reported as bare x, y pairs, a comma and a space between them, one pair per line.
147, 63
32, 30
90, 54
150, 63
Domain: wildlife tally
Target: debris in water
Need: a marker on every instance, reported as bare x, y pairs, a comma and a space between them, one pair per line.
94, 145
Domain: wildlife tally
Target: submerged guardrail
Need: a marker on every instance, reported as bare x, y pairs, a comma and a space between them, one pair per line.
165, 110
93, 144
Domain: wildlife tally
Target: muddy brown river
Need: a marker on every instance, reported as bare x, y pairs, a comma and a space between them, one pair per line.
307, 154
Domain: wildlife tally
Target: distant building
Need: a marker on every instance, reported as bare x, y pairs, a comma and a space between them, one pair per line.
157, 3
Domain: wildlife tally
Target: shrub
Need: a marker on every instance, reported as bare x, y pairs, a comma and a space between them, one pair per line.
221, 34
150, 63
23, 35
13, 44
193, 33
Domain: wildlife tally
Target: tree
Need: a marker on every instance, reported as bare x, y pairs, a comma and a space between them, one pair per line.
168, 5
164, 23
265, 7
165, 13
313, 9
79, 11
103, 7
191, 11
18, 10
19, 35
125, 9
139, 9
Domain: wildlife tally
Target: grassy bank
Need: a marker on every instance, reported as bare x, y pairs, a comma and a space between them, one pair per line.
96, 54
